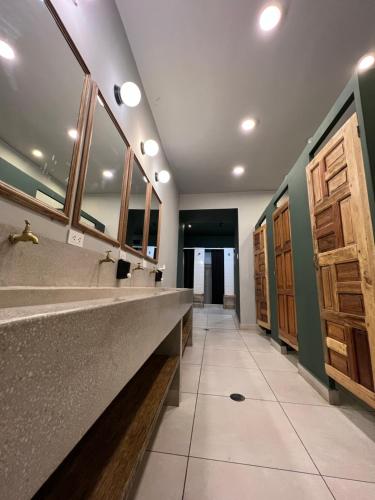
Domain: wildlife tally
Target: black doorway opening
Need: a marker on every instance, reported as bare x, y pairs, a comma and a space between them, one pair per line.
217, 267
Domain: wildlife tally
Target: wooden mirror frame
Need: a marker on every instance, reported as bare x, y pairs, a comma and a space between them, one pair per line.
133, 158
76, 222
16, 195
152, 190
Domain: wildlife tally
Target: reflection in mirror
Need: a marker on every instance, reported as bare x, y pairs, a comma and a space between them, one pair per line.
152, 244
101, 198
136, 208
40, 92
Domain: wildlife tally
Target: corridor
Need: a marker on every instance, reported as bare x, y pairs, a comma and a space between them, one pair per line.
284, 441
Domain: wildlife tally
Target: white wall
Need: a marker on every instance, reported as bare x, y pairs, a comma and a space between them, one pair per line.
228, 271
199, 257
99, 35
250, 205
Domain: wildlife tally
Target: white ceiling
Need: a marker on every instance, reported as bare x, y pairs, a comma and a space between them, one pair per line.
205, 65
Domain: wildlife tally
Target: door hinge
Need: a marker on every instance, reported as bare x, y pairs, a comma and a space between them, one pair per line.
358, 131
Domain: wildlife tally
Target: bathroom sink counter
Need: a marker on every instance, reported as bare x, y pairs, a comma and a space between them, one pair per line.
63, 363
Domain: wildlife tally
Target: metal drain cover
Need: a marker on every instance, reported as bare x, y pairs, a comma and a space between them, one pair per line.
206, 329
237, 397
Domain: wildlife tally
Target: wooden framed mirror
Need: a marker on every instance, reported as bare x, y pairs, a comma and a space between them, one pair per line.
153, 239
99, 207
44, 92
136, 217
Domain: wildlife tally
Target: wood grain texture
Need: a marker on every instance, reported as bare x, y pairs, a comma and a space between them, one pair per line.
262, 301
104, 463
285, 276
345, 259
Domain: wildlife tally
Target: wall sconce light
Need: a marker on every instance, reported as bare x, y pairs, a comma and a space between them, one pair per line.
150, 147
128, 94
163, 176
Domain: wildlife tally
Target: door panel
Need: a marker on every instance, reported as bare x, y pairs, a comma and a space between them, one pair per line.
284, 276
344, 260
261, 277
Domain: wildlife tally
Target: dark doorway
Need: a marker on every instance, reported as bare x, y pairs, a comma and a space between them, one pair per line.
217, 259
188, 268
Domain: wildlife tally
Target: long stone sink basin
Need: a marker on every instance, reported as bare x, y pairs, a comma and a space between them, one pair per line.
65, 353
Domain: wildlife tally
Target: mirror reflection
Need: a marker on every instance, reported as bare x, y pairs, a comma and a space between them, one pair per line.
137, 208
152, 244
101, 198
40, 90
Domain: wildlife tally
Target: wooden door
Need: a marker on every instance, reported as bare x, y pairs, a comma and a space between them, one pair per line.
284, 276
261, 277
344, 257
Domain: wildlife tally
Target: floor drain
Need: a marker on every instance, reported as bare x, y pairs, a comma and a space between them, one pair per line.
237, 397
206, 329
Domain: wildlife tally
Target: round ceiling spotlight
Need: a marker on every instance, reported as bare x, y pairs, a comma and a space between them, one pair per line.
37, 153
73, 133
163, 176
6, 51
248, 124
150, 147
366, 62
107, 174
238, 170
128, 94
270, 17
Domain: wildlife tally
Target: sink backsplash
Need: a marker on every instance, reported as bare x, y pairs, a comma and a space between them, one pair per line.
53, 263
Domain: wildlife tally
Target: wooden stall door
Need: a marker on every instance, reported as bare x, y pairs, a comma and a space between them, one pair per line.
284, 276
344, 257
261, 277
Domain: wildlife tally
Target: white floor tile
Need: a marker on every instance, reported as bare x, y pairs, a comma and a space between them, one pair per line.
190, 377
290, 387
228, 357
209, 480
226, 322
226, 340
274, 361
174, 430
257, 343
341, 442
344, 489
161, 478
193, 355
252, 432
223, 381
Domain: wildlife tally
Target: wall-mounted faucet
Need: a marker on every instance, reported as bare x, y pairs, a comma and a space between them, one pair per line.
138, 267
107, 258
26, 235
154, 271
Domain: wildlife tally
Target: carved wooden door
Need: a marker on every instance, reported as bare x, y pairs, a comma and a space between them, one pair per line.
344, 259
284, 276
261, 277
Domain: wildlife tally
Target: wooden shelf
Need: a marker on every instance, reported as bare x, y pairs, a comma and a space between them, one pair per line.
103, 465
187, 328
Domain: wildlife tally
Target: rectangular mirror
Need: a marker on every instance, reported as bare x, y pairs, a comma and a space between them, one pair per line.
136, 209
44, 93
99, 204
154, 227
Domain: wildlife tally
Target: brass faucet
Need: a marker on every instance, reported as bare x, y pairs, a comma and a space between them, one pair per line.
138, 267
153, 271
26, 235
107, 258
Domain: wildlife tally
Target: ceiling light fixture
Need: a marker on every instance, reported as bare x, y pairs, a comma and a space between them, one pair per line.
6, 51
37, 153
248, 124
73, 133
366, 62
189, 226
163, 176
270, 17
107, 174
128, 94
150, 147
239, 170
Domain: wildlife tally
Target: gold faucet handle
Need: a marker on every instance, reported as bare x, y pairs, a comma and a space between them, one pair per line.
27, 226
108, 252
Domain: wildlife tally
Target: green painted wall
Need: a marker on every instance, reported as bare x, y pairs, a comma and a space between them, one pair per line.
361, 89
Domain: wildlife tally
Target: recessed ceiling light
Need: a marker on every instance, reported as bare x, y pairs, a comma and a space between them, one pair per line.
189, 226
366, 62
107, 174
37, 153
270, 17
163, 176
239, 170
73, 133
248, 124
128, 94
6, 50
150, 147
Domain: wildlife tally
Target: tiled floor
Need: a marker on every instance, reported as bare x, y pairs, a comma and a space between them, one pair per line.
284, 441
